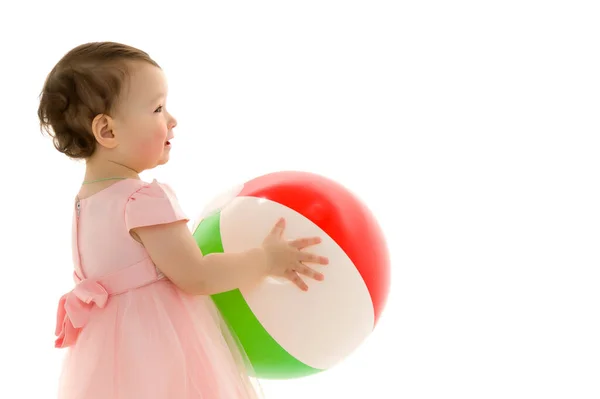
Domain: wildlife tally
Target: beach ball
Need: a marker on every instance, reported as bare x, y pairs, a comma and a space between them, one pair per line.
286, 332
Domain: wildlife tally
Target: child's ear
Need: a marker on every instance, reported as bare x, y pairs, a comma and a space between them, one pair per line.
102, 127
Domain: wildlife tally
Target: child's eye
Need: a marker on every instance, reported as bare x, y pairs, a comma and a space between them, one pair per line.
159, 109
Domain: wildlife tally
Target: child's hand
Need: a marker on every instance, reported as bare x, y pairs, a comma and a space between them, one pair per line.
286, 258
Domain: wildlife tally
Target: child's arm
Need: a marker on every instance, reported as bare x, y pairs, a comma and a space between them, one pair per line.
175, 252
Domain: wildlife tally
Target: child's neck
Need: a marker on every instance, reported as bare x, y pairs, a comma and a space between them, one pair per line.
98, 168
100, 174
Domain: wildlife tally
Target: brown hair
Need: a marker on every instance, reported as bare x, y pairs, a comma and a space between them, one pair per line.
86, 82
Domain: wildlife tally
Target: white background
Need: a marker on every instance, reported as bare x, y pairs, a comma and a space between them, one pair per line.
470, 129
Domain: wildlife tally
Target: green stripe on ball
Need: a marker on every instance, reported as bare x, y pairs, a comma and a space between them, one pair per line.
268, 358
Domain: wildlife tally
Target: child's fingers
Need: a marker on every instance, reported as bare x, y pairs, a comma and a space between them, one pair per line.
278, 228
295, 278
302, 243
307, 271
308, 257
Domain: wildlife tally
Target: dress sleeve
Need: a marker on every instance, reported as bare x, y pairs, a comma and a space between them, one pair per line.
152, 204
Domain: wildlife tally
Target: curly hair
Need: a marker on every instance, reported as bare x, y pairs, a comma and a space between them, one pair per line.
85, 83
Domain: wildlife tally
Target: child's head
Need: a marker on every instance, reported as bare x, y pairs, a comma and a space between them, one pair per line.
107, 101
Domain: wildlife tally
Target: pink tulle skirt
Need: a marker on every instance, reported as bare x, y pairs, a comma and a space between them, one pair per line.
156, 342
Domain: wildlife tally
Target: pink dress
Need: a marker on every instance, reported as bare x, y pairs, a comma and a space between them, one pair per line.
131, 333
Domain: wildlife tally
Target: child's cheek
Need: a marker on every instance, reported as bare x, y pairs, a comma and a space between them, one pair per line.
152, 147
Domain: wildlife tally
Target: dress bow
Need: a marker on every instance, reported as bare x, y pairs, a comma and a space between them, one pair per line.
74, 310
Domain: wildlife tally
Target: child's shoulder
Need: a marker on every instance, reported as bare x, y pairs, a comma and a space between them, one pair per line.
122, 188
152, 203
141, 188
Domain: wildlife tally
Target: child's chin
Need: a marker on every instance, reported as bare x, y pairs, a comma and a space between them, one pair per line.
163, 160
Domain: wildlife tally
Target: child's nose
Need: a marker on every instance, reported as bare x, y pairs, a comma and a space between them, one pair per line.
172, 121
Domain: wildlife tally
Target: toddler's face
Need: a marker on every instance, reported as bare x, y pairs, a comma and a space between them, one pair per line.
142, 125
